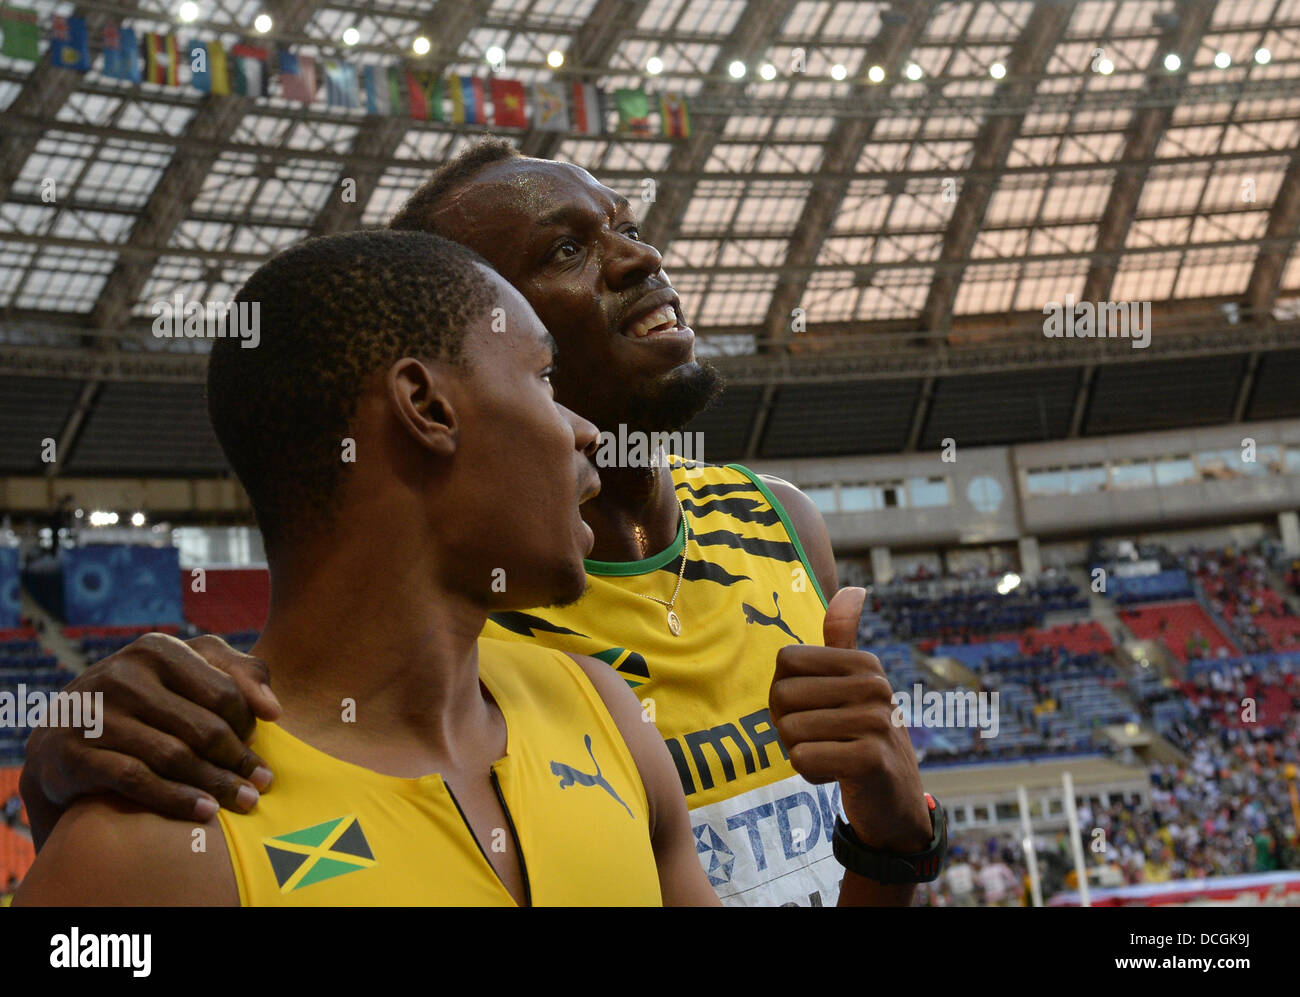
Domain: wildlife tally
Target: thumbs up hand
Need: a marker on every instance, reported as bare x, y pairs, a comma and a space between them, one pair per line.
833, 709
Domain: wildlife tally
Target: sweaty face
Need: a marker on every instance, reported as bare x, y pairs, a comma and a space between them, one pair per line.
572, 248
523, 464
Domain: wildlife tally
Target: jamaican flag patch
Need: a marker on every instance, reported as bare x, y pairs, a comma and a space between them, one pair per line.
322, 851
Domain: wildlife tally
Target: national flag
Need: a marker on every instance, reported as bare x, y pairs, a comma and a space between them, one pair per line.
21, 33
208, 69
467, 100
121, 54
70, 44
374, 81
633, 111
588, 109
551, 113
341, 84
248, 69
508, 104
332, 848
674, 116
424, 95
160, 58
297, 77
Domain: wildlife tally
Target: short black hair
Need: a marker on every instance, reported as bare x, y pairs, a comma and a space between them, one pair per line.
331, 311
420, 210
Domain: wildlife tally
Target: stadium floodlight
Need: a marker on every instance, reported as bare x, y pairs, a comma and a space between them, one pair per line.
767, 71
654, 65
1263, 56
188, 11
876, 73
1105, 67
262, 23
495, 55
137, 519
1008, 583
420, 46
555, 58
997, 70
1173, 62
1223, 60
914, 72
351, 36
838, 72
737, 70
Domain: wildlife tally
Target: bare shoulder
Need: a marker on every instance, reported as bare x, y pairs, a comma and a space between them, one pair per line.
810, 529
107, 852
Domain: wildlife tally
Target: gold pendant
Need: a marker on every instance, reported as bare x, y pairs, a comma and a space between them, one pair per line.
674, 624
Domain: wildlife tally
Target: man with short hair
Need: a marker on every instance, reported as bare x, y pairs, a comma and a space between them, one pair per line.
417, 763
707, 589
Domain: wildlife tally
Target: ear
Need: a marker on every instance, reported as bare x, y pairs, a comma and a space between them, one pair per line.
419, 399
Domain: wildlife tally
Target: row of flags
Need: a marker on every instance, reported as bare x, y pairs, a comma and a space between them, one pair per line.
245, 69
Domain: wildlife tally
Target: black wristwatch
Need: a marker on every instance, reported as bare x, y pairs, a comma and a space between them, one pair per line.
890, 867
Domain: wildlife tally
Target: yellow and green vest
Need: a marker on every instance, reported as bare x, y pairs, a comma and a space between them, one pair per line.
762, 832
329, 833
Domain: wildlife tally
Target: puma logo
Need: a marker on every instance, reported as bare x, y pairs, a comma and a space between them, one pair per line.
752, 615
570, 776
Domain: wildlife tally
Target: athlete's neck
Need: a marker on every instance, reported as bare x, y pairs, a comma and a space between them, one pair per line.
371, 660
635, 515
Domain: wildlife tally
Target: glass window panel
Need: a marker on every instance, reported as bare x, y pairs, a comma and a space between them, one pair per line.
1045, 482
1175, 470
1091, 478
926, 493
1132, 474
823, 497
859, 498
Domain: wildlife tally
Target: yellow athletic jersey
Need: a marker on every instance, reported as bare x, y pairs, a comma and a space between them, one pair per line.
762, 832
330, 833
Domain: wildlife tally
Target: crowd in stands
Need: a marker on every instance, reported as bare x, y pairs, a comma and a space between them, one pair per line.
1225, 812
1236, 585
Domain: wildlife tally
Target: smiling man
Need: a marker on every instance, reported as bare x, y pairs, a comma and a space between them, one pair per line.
462, 778
705, 587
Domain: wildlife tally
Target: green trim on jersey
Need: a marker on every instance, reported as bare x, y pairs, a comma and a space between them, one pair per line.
789, 527
652, 563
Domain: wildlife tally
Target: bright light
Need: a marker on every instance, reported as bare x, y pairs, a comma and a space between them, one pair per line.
1173, 62
1223, 60
767, 71
80, 513
1105, 67
188, 11
997, 70
137, 519
351, 36
914, 72
420, 46
555, 58
876, 73
495, 55
654, 65
262, 23
1263, 56
1008, 583
737, 70
838, 72
101, 518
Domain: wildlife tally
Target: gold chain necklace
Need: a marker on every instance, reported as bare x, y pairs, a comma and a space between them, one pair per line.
674, 622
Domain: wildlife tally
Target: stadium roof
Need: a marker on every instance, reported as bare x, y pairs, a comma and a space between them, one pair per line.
1014, 153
